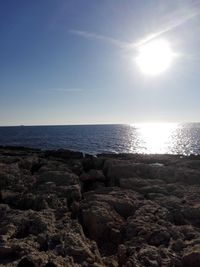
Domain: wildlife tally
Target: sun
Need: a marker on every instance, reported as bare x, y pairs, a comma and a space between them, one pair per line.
155, 57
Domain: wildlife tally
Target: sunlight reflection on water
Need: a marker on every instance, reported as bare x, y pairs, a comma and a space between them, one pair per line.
155, 137
170, 138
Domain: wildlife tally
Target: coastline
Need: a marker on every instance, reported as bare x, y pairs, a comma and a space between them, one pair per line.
63, 208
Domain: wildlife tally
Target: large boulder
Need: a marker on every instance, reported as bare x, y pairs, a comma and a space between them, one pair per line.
101, 222
115, 170
124, 202
149, 224
92, 180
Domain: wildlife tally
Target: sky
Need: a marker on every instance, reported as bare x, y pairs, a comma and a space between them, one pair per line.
74, 62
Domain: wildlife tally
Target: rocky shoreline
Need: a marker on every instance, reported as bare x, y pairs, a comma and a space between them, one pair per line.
63, 208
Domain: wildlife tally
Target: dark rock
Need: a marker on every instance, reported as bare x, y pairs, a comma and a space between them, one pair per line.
159, 237
178, 245
91, 162
71, 192
122, 254
76, 167
64, 154
92, 180
191, 258
4, 179
35, 167
93, 175
88, 163
58, 208
34, 224
58, 177
124, 202
192, 214
187, 175
101, 220
25, 263
50, 264
7, 253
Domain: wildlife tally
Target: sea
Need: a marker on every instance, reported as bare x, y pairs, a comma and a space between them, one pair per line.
146, 138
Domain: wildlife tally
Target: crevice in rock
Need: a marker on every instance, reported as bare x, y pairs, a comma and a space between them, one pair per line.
80, 220
50, 264
22, 232
44, 246
35, 168
7, 254
25, 263
92, 185
105, 247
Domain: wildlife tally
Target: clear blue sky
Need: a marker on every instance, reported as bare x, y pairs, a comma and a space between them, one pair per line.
66, 62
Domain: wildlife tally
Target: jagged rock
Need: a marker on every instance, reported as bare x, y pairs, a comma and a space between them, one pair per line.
33, 225
93, 175
60, 209
159, 237
136, 183
71, 192
76, 167
175, 207
116, 170
91, 162
24, 201
124, 202
149, 224
58, 177
178, 245
101, 220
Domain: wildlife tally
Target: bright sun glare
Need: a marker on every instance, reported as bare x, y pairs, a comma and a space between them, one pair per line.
155, 57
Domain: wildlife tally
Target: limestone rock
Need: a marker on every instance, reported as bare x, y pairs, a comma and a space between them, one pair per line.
58, 208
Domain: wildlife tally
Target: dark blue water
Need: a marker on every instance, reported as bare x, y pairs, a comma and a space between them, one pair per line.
138, 138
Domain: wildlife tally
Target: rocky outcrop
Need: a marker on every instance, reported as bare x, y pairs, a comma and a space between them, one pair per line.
59, 208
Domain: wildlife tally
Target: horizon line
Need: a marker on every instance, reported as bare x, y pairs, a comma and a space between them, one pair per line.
90, 124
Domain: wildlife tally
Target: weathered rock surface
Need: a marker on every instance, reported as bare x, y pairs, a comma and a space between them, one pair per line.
59, 208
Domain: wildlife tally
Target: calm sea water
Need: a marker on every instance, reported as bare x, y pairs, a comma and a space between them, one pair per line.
137, 138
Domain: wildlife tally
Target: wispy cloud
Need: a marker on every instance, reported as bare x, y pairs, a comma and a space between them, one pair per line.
61, 90
172, 21
67, 90
96, 36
